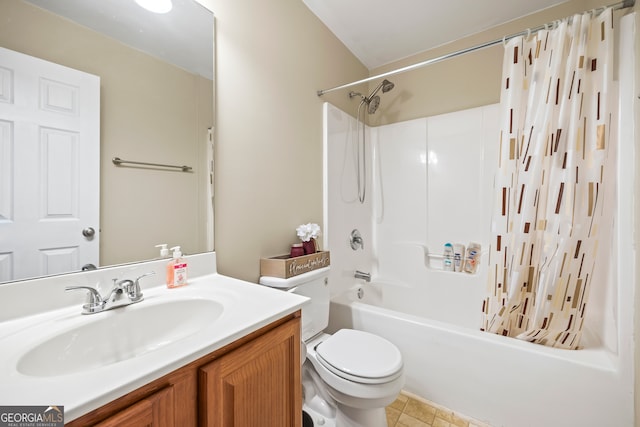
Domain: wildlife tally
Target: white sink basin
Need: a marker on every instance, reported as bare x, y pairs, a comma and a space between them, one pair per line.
117, 335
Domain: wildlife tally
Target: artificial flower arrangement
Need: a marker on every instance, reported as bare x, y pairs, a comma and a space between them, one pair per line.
308, 233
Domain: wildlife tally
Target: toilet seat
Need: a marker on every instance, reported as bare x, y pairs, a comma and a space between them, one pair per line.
360, 357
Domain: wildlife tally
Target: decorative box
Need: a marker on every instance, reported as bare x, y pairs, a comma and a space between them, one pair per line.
284, 266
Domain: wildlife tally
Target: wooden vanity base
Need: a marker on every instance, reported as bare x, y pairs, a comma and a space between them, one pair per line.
252, 381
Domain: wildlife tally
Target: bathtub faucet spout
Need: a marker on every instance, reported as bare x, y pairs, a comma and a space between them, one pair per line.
362, 275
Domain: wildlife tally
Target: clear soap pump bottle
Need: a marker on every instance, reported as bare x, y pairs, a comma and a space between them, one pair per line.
164, 252
176, 269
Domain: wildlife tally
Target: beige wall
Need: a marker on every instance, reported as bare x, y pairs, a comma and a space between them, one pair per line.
272, 57
150, 111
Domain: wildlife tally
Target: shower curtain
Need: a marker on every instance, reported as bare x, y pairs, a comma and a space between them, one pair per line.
554, 150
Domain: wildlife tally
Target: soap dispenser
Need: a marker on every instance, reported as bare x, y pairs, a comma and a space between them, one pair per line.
164, 252
176, 269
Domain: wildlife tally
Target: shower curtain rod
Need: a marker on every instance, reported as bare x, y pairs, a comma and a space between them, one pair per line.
620, 5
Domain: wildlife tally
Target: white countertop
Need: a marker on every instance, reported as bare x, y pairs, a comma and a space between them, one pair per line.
247, 307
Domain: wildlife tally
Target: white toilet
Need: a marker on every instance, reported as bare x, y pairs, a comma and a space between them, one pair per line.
349, 377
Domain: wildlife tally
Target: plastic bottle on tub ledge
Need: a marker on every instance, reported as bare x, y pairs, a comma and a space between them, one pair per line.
473, 258
447, 260
458, 257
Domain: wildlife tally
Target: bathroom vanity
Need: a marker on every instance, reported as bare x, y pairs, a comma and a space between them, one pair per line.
253, 381
217, 352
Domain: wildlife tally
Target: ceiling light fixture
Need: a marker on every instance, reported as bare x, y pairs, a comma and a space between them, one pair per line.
156, 6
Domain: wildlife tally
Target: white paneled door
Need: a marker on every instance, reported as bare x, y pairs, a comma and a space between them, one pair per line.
49, 167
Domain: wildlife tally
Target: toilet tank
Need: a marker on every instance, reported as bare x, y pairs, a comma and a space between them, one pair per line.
315, 286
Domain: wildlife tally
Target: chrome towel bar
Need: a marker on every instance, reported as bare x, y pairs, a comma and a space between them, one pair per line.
119, 162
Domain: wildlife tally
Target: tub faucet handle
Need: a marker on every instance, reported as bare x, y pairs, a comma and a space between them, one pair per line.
355, 240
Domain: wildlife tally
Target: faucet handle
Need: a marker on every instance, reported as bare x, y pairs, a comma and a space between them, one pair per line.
355, 240
94, 300
151, 273
135, 294
93, 296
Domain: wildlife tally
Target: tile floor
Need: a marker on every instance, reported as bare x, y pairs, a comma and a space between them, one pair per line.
412, 411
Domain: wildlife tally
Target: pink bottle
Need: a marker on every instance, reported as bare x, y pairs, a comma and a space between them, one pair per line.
176, 269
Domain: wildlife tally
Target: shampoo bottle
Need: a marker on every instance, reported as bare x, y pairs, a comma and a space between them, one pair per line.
447, 261
176, 269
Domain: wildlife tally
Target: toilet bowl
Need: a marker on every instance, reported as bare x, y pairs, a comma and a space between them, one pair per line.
348, 378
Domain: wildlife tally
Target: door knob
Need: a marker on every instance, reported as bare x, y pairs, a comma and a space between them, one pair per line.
88, 232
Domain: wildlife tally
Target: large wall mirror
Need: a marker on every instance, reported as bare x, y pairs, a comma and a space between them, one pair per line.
149, 77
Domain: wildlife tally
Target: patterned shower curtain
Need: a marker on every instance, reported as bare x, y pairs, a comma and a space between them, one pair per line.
553, 160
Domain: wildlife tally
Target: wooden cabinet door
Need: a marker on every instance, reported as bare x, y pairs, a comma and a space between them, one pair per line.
153, 411
257, 384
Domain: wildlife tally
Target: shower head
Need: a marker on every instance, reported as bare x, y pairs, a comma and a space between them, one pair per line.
373, 104
385, 85
373, 100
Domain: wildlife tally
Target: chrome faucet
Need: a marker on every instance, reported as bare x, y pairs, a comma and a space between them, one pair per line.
124, 292
362, 275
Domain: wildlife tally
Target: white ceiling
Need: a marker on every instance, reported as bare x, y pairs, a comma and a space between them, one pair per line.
183, 36
378, 32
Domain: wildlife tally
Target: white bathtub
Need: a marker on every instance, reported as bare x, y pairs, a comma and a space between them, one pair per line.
500, 381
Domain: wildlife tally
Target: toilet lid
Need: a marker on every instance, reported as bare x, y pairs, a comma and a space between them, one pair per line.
360, 356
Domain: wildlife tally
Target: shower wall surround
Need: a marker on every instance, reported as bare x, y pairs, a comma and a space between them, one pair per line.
430, 182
